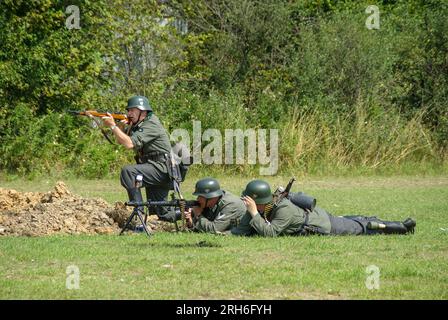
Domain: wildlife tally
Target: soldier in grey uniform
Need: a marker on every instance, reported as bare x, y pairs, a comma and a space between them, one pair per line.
219, 210
269, 217
151, 144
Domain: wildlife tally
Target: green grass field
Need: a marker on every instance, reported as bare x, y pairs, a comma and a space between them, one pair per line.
201, 266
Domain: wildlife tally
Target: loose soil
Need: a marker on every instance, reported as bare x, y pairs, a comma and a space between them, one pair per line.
61, 212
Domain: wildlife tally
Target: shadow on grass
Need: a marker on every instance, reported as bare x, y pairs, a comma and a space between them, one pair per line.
200, 244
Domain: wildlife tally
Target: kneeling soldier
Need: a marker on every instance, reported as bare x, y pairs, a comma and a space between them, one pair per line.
267, 217
219, 210
151, 144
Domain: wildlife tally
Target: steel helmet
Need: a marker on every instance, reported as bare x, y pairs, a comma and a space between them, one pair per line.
258, 190
139, 102
208, 188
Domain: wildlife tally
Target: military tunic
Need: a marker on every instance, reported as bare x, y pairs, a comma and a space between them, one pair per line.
149, 136
151, 144
288, 218
284, 219
225, 214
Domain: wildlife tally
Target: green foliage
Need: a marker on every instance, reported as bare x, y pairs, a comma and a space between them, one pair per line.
422, 70
242, 64
49, 144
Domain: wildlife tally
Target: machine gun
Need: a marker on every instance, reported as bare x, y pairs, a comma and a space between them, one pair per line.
173, 203
181, 204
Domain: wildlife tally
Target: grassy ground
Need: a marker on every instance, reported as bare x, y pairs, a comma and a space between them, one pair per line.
199, 266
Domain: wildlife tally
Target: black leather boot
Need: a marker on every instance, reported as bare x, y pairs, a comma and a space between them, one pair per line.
410, 224
391, 227
394, 227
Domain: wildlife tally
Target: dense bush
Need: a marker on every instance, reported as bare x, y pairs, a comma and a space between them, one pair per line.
341, 95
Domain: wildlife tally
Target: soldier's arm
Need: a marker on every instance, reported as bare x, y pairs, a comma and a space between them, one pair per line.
243, 228
220, 224
205, 225
121, 137
280, 222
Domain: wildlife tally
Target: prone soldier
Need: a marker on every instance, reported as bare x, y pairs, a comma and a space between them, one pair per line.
218, 209
269, 218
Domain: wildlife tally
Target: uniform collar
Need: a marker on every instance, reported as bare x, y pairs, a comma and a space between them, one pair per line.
139, 124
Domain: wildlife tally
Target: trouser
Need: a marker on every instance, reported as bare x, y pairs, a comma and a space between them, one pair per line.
357, 225
156, 182
345, 226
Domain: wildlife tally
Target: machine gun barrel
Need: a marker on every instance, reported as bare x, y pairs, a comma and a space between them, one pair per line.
172, 203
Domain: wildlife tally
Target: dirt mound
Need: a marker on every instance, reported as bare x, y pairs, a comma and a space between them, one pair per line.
61, 212
13, 200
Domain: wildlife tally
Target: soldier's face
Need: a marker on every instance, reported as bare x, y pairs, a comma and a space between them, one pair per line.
201, 201
135, 115
261, 207
206, 204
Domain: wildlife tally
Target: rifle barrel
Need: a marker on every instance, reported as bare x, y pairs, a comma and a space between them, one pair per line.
288, 187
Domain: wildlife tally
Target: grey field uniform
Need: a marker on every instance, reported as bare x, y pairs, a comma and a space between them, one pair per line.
225, 214
284, 219
152, 147
288, 219
300, 216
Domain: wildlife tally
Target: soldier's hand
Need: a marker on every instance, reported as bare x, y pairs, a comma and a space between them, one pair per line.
197, 211
108, 121
251, 206
189, 218
89, 115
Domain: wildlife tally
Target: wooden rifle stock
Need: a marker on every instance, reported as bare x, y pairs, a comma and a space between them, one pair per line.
100, 114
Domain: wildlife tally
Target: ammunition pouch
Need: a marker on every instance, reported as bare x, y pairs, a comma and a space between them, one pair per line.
183, 168
302, 200
156, 157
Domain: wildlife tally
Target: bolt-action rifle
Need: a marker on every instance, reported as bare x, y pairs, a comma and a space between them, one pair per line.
93, 114
279, 194
116, 115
